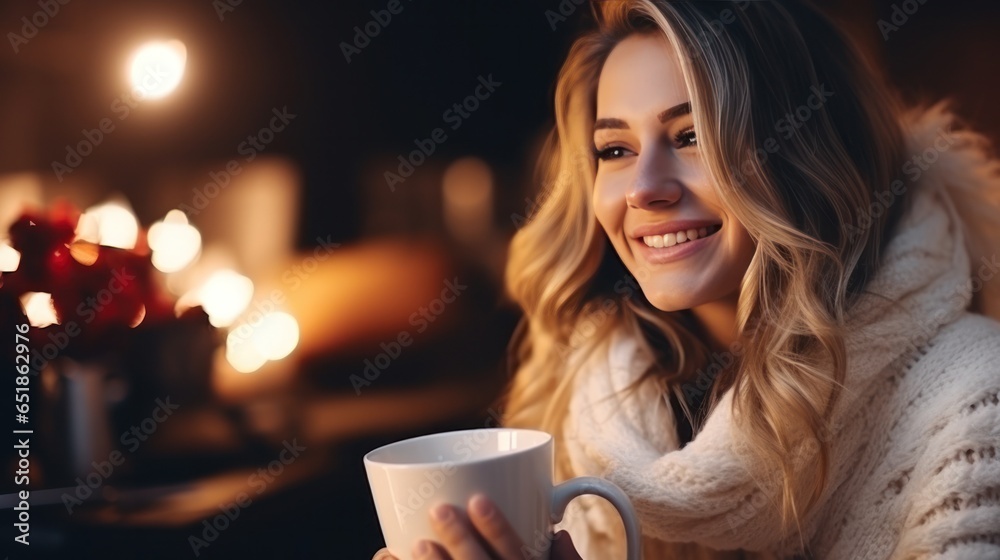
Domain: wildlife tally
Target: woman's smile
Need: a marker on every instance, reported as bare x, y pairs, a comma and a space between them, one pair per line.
662, 249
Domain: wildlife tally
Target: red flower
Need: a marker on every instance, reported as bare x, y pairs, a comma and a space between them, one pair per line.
105, 291
43, 243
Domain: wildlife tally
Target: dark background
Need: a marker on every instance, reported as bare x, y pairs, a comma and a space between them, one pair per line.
274, 54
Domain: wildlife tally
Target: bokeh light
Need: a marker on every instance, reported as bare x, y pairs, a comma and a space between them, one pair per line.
157, 68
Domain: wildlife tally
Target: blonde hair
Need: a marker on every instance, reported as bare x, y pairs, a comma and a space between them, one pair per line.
744, 74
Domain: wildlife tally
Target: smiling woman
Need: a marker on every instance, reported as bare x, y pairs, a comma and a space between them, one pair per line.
809, 366
736, 151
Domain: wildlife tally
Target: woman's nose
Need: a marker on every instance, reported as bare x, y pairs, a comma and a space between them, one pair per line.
654, 184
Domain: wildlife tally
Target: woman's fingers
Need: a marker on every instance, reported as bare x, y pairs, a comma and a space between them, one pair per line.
456, 536
429, 550
493, 526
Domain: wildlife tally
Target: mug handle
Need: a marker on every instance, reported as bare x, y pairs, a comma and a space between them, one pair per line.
565, 492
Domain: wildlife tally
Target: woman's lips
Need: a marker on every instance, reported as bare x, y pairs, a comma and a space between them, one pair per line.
663, 255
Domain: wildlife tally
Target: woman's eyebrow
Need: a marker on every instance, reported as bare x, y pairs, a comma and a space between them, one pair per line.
671, 113
674, 112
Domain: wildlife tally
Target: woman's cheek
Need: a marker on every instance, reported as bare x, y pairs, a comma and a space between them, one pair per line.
609, 205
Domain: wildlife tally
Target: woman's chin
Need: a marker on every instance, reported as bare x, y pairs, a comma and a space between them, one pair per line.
696, 295
673, 303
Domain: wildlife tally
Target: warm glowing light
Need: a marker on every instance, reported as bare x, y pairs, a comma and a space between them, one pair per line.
84, 252
276, 336
87, 228
242, 354
38, 307
251, 344
225, 295
9, 258
157, 68
111, 224
467, 195
175, 243
212, 258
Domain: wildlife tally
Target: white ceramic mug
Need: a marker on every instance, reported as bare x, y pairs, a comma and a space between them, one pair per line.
513, 467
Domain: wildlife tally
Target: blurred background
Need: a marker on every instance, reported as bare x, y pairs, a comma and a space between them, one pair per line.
315, 201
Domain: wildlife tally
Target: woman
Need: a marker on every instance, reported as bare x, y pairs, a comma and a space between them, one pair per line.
757, 297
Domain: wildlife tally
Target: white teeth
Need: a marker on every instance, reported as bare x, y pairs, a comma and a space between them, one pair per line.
671, 239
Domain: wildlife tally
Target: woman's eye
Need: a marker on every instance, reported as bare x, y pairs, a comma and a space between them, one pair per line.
612, 152
686, 138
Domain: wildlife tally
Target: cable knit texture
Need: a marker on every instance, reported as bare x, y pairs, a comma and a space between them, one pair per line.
915, 446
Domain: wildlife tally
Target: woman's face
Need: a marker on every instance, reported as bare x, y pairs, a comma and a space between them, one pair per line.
652, 195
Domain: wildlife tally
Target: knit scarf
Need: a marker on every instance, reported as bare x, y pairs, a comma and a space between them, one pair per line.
713, 490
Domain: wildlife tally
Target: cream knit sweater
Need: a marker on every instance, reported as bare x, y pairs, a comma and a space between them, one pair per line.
915, 451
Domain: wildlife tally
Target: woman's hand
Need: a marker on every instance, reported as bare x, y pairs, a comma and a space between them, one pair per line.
485, 535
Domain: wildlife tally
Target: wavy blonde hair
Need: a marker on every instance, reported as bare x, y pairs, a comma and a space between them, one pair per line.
744, 74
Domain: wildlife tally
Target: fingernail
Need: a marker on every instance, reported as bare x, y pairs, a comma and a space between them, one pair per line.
481, 506
422, 549
442, 513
